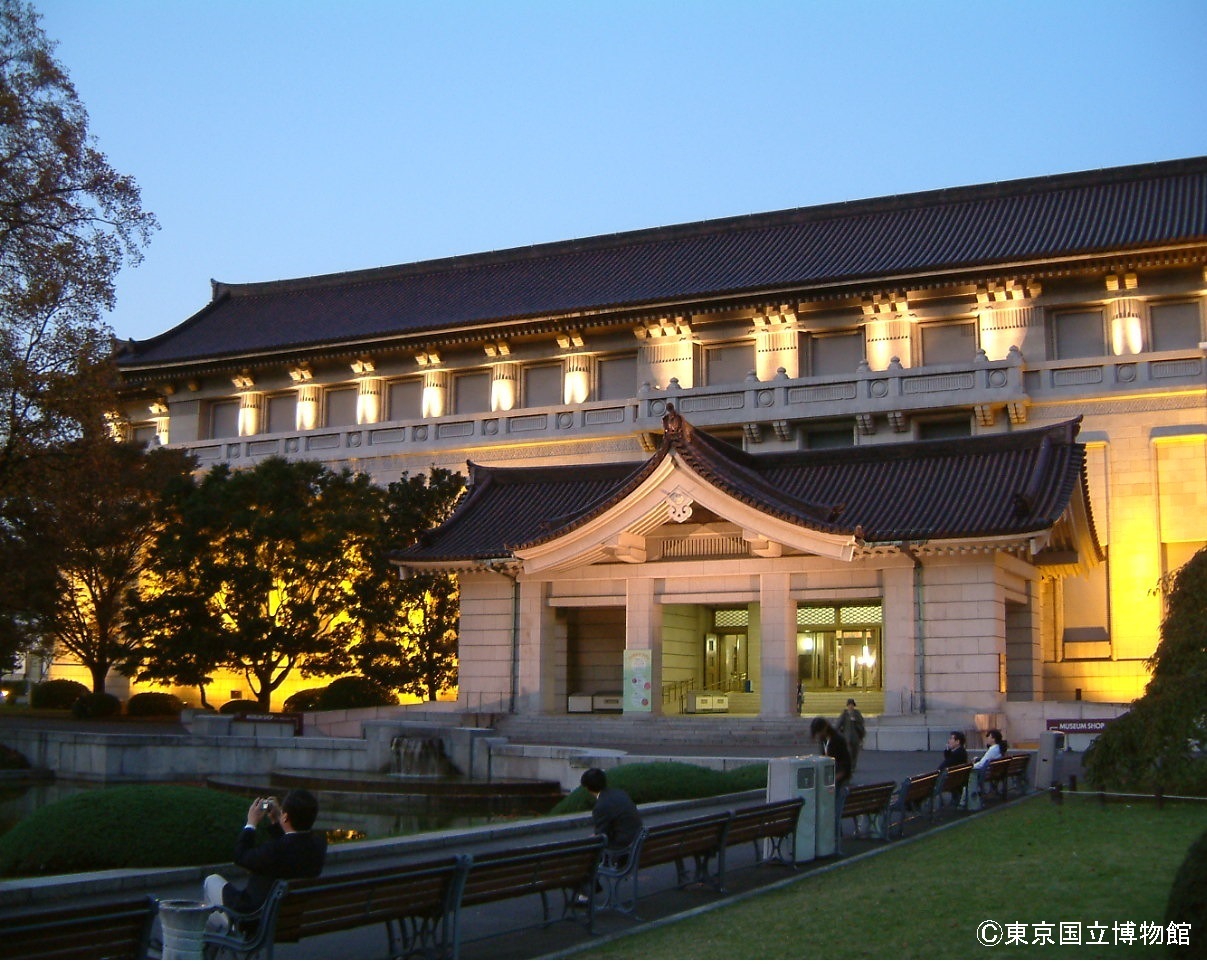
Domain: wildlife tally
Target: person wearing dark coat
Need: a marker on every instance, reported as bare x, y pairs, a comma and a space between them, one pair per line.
293, 850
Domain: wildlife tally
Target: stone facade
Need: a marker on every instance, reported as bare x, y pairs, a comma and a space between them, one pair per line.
1114, 335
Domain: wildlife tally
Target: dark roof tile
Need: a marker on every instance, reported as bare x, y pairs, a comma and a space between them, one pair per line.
984, 225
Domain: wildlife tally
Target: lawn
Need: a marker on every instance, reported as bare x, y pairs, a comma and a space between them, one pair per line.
1081, 864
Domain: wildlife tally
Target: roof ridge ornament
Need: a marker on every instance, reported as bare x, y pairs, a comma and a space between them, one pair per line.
673, 423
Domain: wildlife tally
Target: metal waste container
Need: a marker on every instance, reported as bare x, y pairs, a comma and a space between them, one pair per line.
183, 924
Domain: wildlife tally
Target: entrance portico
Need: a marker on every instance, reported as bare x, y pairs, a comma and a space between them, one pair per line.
910, 571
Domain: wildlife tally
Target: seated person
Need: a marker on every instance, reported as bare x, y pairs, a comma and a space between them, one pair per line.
955, 753
614, 816
293, 851
997, 748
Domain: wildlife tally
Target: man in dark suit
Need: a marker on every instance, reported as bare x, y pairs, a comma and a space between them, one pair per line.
293, 850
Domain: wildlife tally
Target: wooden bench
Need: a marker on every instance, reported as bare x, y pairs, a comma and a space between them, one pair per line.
768, 827
566, 867
874, 801
953, 782
699, 839
998, 775
913, 795
112, 929
415, 903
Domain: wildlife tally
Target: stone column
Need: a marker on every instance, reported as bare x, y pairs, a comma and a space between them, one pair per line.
643, 648
777, 632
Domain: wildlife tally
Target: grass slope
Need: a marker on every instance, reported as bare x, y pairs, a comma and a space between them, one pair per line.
1032, 863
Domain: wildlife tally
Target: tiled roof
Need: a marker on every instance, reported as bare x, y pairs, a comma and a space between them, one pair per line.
993, 486
1003, 224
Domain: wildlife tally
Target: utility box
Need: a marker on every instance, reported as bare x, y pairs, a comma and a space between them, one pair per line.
607, 701
706, 702
811, 779
1049, 763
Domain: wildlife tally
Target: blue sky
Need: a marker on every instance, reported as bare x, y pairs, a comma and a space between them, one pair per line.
287, 138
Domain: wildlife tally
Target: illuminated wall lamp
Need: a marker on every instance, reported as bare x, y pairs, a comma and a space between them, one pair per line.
301, 374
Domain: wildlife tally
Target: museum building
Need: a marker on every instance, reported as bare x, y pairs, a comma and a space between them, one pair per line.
937, 449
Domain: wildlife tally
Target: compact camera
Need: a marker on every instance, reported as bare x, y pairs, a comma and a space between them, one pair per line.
267, 804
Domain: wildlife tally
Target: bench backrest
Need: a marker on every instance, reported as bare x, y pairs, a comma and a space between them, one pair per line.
313, 907
521, 872
955, 779
919, 788
680, 840
763, 821
100, 930
868, 799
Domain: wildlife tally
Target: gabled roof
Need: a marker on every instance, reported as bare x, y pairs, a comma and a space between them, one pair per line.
1017, 484
995, 226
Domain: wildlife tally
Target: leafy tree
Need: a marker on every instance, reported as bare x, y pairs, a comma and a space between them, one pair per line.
408, 639
100, 510
255, 571
1162, 740
68, 223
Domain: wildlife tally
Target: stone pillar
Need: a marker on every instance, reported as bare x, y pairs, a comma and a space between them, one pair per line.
643, 645
370, 397
251, 413
504, 386
307, 412
777, 632
1126, 328
576, 379
435, 394
776, 346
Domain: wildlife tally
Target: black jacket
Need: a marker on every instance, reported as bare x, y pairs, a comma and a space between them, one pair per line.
292, 855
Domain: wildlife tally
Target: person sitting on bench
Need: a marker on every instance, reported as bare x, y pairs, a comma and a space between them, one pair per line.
293, 850
614, 816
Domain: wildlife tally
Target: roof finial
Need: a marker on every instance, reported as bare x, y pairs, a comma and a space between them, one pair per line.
672, 422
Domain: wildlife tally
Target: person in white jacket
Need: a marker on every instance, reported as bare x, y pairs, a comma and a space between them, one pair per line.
996, 749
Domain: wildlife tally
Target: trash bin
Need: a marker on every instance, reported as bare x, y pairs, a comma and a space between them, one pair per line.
183, 924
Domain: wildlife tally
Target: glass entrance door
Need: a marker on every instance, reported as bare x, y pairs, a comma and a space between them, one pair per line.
838, 647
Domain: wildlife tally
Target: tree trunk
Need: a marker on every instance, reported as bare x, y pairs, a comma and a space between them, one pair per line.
99, 673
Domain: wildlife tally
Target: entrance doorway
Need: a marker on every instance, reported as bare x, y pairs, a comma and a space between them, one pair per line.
839, 647
726, 661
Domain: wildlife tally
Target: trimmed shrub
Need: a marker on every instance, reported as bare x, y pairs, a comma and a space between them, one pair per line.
12, 759
91, 705
153, 703
57, 695
240, 706
307, 700
129, 826
354, 692
668, 781
1188, 901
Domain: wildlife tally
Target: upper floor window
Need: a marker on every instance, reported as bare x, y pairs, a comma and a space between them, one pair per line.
224, 419
830, 437
1175, 325
471, 392
282, 414
405, 399
832, 353
1078, 334
945, 343
728, 364
543, 385
616, 377
341, 406
944, 428
144, 433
